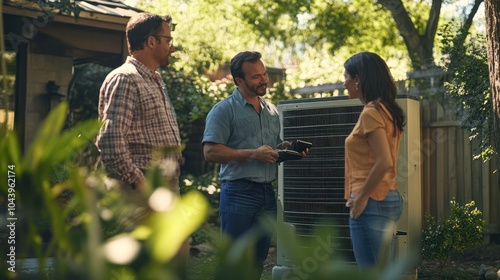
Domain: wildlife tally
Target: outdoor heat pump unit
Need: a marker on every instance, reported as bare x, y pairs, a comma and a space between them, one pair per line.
311, 190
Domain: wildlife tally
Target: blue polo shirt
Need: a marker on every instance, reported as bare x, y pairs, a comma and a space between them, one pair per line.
235, 123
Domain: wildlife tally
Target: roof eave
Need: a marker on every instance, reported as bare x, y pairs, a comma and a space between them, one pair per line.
84, 18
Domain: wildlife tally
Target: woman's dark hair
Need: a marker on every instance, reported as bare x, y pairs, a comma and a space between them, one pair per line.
141, 26
238, 60
376, 83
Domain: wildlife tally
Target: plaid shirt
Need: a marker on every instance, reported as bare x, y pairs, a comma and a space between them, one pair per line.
138, 118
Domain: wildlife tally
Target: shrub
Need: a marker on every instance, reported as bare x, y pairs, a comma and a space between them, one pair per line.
462, 229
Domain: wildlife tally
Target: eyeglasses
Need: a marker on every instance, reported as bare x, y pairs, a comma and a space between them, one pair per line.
172, 26
170, 39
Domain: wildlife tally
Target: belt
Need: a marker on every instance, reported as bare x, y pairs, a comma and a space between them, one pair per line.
247, 181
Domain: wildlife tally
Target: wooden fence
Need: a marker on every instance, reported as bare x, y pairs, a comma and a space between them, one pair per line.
449, 168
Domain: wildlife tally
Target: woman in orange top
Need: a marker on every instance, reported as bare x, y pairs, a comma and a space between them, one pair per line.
371, 152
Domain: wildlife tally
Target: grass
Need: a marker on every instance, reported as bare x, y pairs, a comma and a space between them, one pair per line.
203, 268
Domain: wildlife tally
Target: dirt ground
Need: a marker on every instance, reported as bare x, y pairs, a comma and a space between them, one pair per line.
463, 265
466, 266
459, 267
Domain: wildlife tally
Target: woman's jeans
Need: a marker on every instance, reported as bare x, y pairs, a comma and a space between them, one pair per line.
242, 205
367, 232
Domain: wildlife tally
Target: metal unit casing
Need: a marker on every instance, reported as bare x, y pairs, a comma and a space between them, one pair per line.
311, 190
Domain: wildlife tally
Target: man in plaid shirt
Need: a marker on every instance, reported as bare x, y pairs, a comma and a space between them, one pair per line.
135, 108
139, 119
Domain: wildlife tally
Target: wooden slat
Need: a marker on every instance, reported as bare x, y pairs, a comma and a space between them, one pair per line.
485, 190
476, 177
461, 176
440, 177
452, 164
467, 167
461, 161
494, 196
427, 148
440, 163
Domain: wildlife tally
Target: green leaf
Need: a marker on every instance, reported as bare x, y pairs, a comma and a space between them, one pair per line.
170, 228
48, 132
70, 143
10, 159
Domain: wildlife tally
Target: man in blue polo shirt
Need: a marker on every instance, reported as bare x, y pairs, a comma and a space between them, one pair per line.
241, 134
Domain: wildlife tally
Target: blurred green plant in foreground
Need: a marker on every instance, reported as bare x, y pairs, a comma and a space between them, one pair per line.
82, 219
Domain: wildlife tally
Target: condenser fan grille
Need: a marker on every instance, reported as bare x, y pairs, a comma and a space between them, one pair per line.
313, 188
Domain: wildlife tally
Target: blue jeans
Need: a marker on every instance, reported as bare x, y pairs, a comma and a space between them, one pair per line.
367, 232
242, 204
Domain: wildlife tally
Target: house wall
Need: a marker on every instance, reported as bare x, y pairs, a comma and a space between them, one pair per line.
41, 69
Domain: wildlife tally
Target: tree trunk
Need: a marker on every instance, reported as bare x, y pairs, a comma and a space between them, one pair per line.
492, 15
419, 46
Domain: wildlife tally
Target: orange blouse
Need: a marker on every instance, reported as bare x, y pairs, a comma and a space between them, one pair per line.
359, 159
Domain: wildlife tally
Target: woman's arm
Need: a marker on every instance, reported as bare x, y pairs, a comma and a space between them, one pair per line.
379, 146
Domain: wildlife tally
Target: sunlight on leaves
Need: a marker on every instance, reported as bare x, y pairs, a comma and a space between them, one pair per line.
166, 231
121, 249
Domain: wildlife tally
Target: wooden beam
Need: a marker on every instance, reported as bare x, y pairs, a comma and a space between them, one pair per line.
445, 124
21, 93
95, 20
319, 88
89, 39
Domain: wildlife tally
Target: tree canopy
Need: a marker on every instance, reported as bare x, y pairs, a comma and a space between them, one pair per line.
312, 38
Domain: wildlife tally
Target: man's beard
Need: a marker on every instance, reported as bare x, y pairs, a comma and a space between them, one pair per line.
164, 63
257, 88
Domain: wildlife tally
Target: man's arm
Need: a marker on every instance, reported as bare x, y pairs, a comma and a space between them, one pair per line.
220, 153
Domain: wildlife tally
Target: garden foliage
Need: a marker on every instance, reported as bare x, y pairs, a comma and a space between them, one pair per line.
461, 230
469, 87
